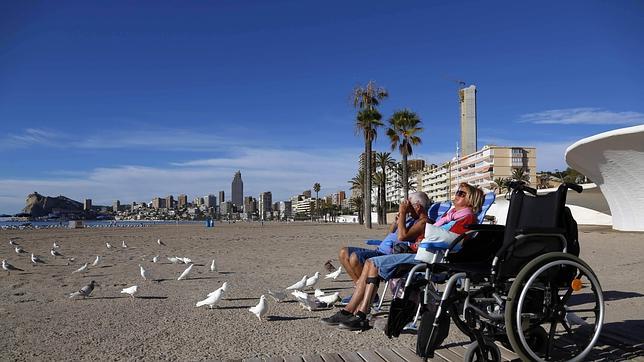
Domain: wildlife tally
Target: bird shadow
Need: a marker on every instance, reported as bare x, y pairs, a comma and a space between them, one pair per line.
328, 289
226, 272
106, 266
151, 297
279, 318
200, 278
119, 297
252, 298
96, 275
343, 281
236, 307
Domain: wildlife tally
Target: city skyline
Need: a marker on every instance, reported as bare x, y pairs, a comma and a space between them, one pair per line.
166, 99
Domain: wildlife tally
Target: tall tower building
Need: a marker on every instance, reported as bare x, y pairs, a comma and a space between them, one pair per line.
221, 197
237, 190
468, 120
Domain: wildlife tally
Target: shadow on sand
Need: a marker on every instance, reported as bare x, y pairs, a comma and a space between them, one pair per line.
279, 318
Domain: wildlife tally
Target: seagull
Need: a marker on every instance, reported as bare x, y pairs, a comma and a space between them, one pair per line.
56, 246
8, 267
278, 295
123, 244
81, 269
97, 260
213, 267
306, 301
84, 291
144, 273
334, 275
160, 242
310, 282
299, 285
173, 260
318, 293
109, 246
155, 259
261, 308
20, 250
131, 290
55, 253
212, 298
35, 259
223, 288
330, 299
185, 272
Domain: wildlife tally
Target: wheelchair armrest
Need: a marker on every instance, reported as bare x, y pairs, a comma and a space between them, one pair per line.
540, 230
373, 242
485, 227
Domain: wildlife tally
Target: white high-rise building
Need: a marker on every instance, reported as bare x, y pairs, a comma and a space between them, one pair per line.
468, 120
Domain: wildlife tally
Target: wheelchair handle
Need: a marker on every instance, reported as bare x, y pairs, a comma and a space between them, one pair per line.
521, 186
573, 186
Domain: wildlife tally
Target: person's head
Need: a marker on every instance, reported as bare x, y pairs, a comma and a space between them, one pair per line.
419, 202
468, 196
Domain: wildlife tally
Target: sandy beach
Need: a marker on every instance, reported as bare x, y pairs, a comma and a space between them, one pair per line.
39, 322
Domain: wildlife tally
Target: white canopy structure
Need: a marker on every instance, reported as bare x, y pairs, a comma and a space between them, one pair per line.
614, 160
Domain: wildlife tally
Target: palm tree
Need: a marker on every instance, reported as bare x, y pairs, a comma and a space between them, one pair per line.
403, 129
357, 202
520, 175
366, 99
500, 184
385, 162
316, 188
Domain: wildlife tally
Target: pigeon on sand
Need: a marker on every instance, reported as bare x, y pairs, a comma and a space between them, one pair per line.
131, 290
185, 272
12, 242
334, 275
108, 245
8, 267
160, 242
19, 250
306, 301
155, 259
123, 244
56, 246
173, 259
318, 293
223, 288
261, 308
84, 291
81, 269
330, 299
55, 253
144, 273
35, 259
299, 285
310, 282
212, 298
213, 267
97, 260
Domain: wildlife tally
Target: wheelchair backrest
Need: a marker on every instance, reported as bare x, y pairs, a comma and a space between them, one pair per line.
533, 219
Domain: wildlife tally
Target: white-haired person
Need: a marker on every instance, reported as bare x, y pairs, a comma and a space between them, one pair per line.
467, 203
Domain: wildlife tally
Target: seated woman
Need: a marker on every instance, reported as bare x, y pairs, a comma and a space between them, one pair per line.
467, 202
402, 229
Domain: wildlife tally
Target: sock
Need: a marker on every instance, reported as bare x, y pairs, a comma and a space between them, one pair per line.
344, 312
361, 315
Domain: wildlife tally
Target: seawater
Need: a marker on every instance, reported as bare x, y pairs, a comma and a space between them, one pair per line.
94, 223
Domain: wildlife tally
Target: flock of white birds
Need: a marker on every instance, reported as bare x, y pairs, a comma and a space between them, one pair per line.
311, 302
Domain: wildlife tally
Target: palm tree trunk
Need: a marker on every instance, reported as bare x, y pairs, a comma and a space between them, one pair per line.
405, 180
383, 201
367, 183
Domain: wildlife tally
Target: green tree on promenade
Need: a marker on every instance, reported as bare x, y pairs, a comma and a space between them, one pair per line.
404, 127
366, 100
357, 202
316, 188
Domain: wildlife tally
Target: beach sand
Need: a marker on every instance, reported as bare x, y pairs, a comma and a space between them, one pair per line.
39, 322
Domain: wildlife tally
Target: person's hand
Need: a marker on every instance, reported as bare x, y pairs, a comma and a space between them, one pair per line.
404, 206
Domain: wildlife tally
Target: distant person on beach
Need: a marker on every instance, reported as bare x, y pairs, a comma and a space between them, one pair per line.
466, 204
408, 226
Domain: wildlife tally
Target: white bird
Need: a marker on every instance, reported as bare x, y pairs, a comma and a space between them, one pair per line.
8, 267
334, 275
278, 295
155, 259
84, 291
212, 298
56, 246
223, 288
35, 259
213, 267
11, 242
330, 299
173, 260
306, 301
81, 269
185, 272
299, 285
160, 242
186, 260
55, 253
318, 293
19, 250
109, 246
123, 244
144, 273
131, 290
97, 260
261, 308
310, 282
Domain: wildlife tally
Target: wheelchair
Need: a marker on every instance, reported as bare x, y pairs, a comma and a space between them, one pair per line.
522, 284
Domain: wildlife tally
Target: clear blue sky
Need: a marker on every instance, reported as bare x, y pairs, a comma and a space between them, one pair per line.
132, 99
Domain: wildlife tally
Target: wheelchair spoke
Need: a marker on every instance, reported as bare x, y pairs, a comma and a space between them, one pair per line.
551, 338
594, 310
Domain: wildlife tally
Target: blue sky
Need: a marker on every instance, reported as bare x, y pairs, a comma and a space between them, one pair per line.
131, 99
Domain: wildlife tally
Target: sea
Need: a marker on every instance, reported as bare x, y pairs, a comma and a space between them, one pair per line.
6, 223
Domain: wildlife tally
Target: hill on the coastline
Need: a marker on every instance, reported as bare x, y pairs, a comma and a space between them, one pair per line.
38, 205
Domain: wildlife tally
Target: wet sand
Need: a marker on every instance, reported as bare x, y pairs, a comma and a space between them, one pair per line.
39, 322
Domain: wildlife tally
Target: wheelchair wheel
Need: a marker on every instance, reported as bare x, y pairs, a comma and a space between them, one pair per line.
550, 318
456, 313
475, 353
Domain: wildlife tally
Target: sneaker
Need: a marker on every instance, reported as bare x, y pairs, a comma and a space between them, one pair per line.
337, 318
355, 323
